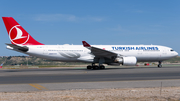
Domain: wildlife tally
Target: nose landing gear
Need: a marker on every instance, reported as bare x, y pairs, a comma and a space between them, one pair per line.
159, 65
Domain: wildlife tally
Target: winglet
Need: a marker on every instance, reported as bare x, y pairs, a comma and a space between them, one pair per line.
85, 44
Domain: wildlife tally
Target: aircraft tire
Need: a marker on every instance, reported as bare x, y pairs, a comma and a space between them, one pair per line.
95, 67
159, 66
102, 67
89, 67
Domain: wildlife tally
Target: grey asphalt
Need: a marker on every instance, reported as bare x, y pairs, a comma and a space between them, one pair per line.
80, 78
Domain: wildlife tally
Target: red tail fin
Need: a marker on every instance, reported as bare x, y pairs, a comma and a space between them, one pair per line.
85, 44
17, 34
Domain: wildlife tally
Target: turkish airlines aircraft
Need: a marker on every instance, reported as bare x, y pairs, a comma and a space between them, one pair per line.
127, 55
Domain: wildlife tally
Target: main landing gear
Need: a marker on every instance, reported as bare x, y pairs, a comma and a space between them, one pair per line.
95, 67
159, 65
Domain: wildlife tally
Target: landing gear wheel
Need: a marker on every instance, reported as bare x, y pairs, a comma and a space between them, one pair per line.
95, 67
159, 66
102, 67
89, 67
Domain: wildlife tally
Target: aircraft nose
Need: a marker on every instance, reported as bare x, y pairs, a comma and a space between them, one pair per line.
176, 53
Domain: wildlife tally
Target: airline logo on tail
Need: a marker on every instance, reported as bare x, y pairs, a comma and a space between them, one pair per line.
17, 36
17, 33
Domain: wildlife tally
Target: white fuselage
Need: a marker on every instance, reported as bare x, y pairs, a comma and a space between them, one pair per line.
127, 55
78, 53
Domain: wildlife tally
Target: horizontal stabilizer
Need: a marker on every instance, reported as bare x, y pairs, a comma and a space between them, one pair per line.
21, 48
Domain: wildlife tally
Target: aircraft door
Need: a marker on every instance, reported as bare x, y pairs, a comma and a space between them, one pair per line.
45, 50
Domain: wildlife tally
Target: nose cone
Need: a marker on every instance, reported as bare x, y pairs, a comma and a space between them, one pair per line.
176, 53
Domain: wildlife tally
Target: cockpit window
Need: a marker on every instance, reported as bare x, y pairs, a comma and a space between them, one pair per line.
171, 50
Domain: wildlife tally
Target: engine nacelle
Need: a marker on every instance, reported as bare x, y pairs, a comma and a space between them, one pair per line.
127, 61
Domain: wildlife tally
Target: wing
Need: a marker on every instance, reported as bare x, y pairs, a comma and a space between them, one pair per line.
100, 52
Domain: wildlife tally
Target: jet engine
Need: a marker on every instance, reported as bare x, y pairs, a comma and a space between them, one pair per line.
127, 61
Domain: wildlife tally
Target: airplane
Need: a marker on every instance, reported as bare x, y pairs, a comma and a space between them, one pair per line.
127, 55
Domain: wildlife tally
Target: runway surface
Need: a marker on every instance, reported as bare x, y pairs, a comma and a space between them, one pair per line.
81, 78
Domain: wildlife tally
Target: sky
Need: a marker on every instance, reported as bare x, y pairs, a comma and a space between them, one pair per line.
99, 22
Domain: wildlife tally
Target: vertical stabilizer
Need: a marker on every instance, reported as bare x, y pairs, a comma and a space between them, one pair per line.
17, 34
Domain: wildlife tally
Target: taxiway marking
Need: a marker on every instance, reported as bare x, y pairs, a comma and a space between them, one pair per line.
39, 87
